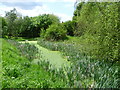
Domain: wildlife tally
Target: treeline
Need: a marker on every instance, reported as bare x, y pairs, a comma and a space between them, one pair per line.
14, 24
47, 26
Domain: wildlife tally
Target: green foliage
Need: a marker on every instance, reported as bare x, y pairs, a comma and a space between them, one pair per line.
32, 27
26, 26
85, 72
55, 32
18, 23
42, 22
70, 27
94, 55
11, 17
0, 75
54, 19
27, 50
99, 21
26, 29
4, 23
19, 72
3, 26
108, 35
78, 10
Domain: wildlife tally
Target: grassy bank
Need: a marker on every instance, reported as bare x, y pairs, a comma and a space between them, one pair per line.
19, 72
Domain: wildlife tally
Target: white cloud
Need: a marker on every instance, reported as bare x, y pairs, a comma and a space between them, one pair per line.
69, 5
37, 0
4, 8
33, 12
69, 0
44, 9
63, 17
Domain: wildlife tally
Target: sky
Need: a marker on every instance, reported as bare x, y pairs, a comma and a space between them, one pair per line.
62, 8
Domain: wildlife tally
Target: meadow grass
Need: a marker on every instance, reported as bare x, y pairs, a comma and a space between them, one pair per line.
0, 62
85, 71
19, 72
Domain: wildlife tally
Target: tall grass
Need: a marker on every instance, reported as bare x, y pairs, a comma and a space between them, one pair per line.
85, 72
19, 72
26, 49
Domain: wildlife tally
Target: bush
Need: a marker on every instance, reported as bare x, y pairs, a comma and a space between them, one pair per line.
55, 32
70, 27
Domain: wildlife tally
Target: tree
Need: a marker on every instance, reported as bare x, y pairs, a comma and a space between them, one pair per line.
11, 17
98, 25
42, 22
55, 19
3, 26
70, 27
78, 10
18, 23
27, 29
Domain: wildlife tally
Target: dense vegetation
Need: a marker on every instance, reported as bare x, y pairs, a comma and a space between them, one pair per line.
17, 26
98, 26
20, 72
85, 71
90, 42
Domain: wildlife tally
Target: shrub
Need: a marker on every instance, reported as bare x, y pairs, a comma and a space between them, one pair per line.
70, 27
55, 32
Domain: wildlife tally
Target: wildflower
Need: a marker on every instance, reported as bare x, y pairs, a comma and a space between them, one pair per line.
68, 57
12, 77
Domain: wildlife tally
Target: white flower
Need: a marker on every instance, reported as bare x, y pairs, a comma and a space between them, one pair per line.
12, 77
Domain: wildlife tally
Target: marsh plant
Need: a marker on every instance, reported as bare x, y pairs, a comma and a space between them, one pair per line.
20, 72
26, 49
84, 71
